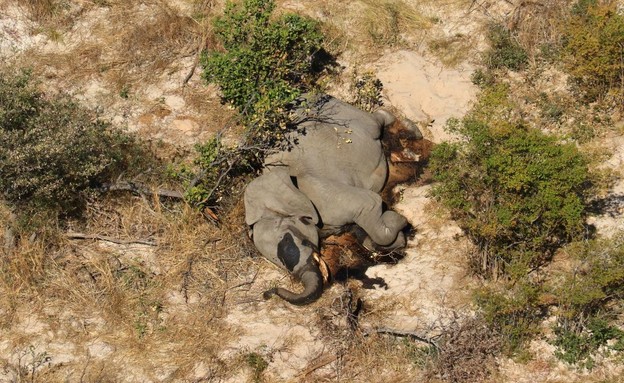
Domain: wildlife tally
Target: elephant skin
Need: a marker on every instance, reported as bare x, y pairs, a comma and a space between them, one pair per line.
329, 178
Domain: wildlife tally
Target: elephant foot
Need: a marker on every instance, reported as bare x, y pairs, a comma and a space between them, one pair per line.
399, 243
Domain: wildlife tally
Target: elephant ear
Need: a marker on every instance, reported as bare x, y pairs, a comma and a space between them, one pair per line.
274, 193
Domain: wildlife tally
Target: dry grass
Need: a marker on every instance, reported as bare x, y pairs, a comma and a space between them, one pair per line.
389, 22
538, 24
160, 308
370, 28
453, 50
104, 44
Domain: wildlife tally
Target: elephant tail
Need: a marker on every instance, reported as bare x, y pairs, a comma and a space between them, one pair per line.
312, 280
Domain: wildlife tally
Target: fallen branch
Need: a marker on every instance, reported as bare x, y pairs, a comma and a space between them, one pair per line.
186, 276
407, 334
141, 189
97, 237
319, 362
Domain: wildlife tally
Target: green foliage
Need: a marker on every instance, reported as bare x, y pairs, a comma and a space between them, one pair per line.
517, 192
216, 171
366, 89
483, 79
594, 49
588, 298
257, 363
266, 63
515, 313
54, 154
578, 347
504, 52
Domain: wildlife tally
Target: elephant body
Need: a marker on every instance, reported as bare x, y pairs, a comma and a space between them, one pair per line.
330, 177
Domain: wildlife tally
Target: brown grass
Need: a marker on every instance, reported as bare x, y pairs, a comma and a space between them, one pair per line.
155, 306
538, 23
123, 53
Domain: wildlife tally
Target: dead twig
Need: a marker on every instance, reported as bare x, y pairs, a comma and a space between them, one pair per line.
251, 282
140, 189
97, 237
319, 362
186, 277
407, 334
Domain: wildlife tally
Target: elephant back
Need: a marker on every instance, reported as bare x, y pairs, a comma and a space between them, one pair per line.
339, 142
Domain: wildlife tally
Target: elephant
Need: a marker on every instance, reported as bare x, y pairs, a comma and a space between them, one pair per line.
330, 176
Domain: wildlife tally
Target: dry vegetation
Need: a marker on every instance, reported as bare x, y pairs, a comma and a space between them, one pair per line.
169, 301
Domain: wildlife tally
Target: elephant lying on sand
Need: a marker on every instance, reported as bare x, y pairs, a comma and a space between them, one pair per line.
331, 177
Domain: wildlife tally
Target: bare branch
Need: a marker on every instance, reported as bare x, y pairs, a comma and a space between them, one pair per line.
140, 189
97, 237
407, 334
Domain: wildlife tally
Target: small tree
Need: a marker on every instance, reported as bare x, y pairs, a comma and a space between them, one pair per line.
263, 64
589, 298
594, 49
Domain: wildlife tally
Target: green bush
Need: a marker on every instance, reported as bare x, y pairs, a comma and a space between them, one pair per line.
265, 64
504, 51
216, 172
516, 192
53, 153
366, 90
589, 297
594, 47
514, 314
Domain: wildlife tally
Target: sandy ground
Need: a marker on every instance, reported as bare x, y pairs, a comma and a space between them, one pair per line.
425, 91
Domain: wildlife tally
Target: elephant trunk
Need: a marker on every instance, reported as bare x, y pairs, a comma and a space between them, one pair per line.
312, 280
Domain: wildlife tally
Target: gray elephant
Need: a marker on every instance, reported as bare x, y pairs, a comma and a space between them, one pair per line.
330, 177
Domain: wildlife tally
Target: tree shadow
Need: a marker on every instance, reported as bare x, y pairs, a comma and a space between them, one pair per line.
612, 206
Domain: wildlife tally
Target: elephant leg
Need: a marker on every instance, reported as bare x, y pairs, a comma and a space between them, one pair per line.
384, 118
339, 204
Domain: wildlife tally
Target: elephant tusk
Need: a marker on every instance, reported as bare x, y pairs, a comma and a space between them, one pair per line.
323, 267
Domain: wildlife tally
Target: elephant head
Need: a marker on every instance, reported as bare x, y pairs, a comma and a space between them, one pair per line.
283, 222
288, 242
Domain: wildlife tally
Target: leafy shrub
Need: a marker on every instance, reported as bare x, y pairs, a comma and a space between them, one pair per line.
266, 63
366, 89
588, 300
504, 52
593, 46
483, 79
579, 347
514, 313
516, 192
216, 172
53, 152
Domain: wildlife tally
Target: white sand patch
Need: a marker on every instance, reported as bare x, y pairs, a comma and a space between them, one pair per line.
611, 220
425, 285
279, 333
425, 91
15, 31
